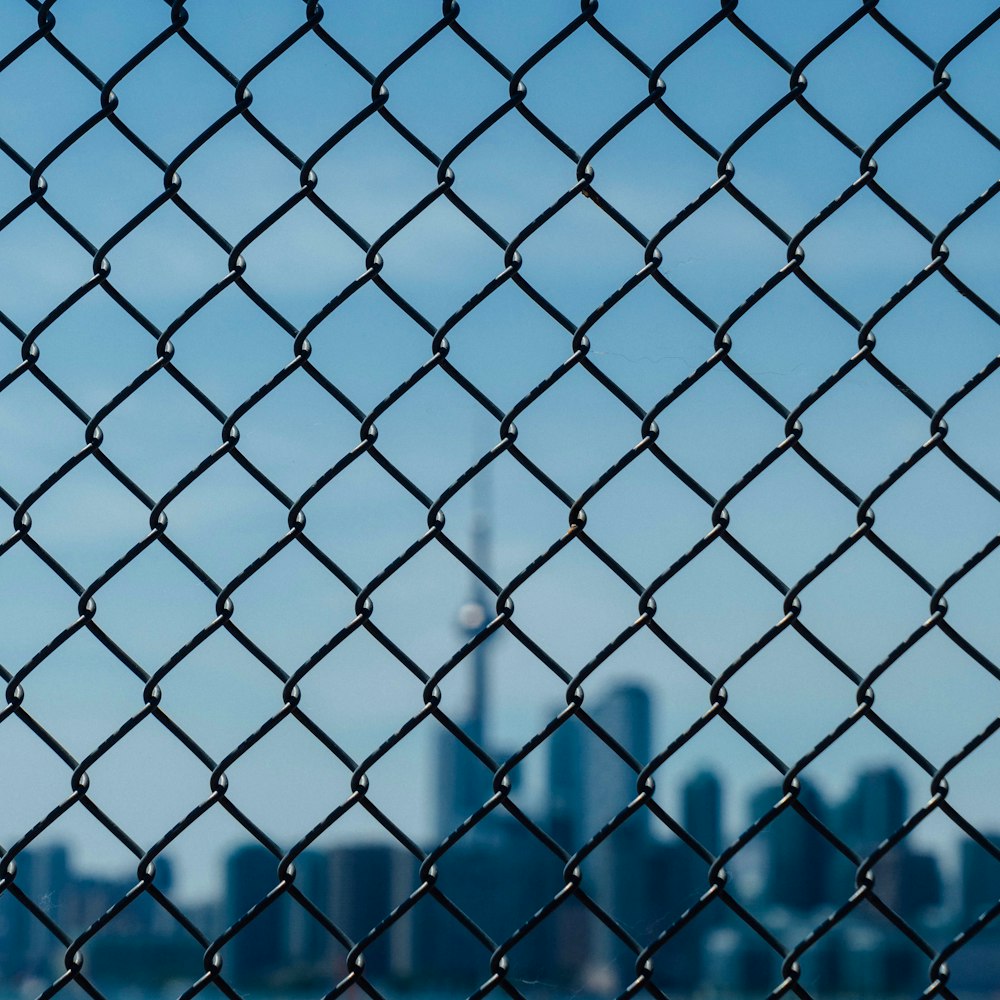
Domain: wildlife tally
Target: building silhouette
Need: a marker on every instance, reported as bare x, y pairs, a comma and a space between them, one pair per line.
798, 861
365, 883
565, 783
611, 873
701, 809
256, 954
875, 808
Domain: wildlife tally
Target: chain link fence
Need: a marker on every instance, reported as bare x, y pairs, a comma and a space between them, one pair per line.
606, 888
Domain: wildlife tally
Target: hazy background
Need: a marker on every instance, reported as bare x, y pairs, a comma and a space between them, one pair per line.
790, 518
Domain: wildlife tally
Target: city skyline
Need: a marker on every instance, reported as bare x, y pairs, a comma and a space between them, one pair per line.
789, 873
789, 878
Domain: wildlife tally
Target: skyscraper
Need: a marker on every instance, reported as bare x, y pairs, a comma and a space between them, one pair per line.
876, 808
624, 714
701, 800
797, 860
980, 877
565, 783
256, 954
615, 872
44, 875
365, 883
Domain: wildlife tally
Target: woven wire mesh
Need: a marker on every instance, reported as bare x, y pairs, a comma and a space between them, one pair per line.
495, 957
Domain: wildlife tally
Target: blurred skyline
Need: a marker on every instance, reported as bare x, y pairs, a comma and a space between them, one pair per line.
499, 875
937, 696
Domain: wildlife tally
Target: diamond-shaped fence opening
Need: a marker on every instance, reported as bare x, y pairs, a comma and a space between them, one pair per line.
579, 258
35, 285
94, 350
103, 688
101, 182
909, 338
149, 109
372, 176
502, 500
510, 192
238, 179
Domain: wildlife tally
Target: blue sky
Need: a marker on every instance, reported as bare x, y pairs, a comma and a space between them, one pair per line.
790, 518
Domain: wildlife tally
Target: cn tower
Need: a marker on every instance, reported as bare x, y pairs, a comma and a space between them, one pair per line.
464, 781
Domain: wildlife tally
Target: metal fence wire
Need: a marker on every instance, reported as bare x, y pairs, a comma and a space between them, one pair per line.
657, 948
